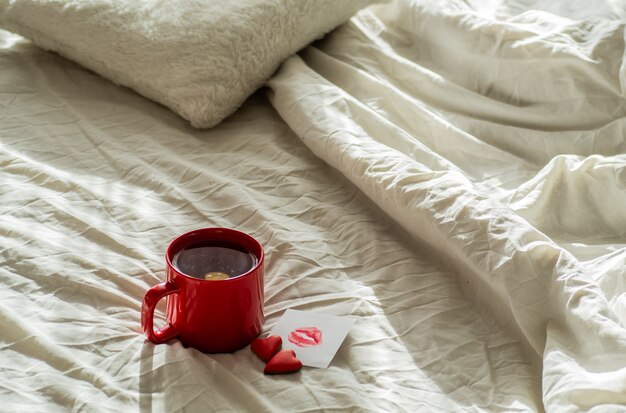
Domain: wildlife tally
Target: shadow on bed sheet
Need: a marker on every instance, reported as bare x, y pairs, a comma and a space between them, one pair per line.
146, 378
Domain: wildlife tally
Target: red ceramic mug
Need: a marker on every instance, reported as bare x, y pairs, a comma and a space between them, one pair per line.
213, 316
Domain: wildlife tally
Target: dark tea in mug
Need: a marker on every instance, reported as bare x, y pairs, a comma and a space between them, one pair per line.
214, 260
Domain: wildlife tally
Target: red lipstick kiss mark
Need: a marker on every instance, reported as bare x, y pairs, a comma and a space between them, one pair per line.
306, 336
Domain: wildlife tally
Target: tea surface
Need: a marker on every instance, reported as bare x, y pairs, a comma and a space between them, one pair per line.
214, 259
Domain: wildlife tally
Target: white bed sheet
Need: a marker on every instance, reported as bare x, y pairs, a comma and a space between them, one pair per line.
473, 223
96, 180
494, 133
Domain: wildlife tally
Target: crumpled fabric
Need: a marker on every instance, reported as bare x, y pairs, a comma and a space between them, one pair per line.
494, 135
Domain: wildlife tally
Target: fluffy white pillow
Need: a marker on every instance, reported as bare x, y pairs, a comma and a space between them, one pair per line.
200, 58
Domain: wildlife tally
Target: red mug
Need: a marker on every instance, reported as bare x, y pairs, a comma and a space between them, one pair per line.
213, 316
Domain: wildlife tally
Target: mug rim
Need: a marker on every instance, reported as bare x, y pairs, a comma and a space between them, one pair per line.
169, 252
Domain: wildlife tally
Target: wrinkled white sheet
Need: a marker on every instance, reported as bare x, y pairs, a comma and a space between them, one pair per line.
494, 133
480, 242
94, 183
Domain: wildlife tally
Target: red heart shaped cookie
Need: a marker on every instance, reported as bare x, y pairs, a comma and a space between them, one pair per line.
265, 348
283, 362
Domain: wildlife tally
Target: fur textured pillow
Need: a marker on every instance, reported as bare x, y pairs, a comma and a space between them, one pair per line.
200, 58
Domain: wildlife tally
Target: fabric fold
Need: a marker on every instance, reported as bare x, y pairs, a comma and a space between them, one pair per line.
485, 216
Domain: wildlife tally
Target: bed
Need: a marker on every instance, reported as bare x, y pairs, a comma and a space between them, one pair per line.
452, 174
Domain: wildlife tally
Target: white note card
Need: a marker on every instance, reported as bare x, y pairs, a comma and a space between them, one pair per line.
315, 337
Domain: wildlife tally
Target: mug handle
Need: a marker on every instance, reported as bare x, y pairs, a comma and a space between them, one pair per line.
150, 301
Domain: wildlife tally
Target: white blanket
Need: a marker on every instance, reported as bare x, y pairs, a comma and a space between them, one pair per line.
495, 136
